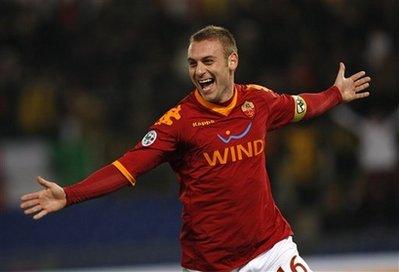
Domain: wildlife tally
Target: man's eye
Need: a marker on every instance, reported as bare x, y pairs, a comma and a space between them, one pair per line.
192, 64
208, 62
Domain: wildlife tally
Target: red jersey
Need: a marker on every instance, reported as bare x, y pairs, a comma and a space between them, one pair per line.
229, 215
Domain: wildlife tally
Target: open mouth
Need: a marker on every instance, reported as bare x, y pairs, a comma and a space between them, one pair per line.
206, 83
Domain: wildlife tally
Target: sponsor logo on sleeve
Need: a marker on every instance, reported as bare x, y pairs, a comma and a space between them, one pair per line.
149, 138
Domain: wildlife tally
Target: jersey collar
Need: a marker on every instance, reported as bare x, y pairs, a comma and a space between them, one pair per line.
223, 110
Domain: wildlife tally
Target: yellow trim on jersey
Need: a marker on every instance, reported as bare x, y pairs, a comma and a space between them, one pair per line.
300, 108
258, 87
224, 110
124, 172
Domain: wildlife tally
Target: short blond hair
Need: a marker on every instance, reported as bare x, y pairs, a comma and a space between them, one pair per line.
219, 33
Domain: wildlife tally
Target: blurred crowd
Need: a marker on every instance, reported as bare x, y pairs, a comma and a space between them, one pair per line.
90, 76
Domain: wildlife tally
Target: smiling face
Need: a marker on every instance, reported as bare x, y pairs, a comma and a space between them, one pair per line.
211, 71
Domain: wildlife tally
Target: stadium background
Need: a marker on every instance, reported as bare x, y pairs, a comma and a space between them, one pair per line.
80, 81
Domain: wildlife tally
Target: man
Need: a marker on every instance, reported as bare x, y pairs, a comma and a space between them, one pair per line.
214, 139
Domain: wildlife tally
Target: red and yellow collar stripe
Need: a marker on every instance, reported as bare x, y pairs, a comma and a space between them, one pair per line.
223, 110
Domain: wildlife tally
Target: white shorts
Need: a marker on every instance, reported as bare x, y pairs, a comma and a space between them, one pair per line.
282, 257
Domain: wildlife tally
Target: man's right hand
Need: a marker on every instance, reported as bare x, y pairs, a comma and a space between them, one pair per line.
51, 199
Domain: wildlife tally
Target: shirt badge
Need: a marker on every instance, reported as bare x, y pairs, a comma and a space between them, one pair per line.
149, 138
248, 108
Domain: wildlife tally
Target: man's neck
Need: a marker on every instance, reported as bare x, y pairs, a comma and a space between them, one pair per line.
228, 94
228, 98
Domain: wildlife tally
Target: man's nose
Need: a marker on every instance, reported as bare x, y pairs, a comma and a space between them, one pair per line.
200, 69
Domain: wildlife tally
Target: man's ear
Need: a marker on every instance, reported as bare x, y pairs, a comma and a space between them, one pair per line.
233, 61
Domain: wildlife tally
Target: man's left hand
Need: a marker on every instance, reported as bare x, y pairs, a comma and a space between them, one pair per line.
353, 87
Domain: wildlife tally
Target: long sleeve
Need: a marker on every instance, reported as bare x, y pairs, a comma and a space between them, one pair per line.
318, 103
151, 151
106, 180
284, 108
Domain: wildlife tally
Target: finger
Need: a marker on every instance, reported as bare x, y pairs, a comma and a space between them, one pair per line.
341, 71
30, 196
34, 209
43, 182
362, 95
362, 87
29, 203
361, 81
357, 75
40, 214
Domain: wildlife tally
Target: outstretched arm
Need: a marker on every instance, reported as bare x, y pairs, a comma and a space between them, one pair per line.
157, 144
53, 197
344, 90
293, 108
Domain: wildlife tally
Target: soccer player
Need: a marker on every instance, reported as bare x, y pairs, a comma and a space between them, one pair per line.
214, 139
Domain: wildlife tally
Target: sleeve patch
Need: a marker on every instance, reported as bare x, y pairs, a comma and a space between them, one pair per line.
167, 117
149, 138
300, 108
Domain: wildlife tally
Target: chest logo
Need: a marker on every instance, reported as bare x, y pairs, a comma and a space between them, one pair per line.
203, 123
248, 108
236, 136
235, 153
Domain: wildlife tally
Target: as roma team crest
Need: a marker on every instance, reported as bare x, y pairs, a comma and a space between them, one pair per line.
248, 108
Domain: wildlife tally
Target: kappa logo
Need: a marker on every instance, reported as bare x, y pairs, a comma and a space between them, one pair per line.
236, 136
167, 117
149, 138
203, 123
